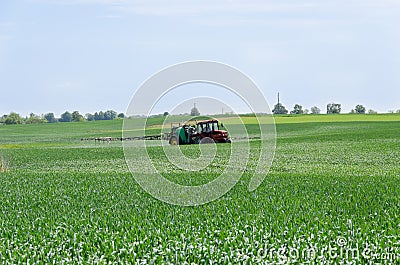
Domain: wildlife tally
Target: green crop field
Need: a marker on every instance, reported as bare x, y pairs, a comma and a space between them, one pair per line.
332, 195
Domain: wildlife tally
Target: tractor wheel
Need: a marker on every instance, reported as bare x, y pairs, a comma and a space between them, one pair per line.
173, 140
207, 140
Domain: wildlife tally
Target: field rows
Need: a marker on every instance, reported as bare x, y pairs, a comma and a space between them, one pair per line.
67, 201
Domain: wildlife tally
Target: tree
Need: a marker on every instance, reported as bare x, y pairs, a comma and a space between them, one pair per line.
371, 111
33, 118
99, 116
13, 118
194, 111
298, 109
110, 115
89, 117
398, 111
76, 116
333, 108
279, 109
166, 113
3, 118
50, 117
66, 117
315, 110
121, 115
360, 109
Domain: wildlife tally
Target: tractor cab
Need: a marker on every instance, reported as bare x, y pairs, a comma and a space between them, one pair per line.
211, 129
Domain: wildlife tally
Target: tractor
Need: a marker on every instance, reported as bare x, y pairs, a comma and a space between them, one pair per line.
207, 131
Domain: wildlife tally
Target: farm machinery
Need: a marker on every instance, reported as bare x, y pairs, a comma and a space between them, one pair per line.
192, 132
206, 131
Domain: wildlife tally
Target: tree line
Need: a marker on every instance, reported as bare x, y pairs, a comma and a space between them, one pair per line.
331, 108
75, 116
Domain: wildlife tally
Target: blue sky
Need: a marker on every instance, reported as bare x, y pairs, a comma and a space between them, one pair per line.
91, 55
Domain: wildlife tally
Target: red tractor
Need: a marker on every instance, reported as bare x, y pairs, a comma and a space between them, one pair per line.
206, 131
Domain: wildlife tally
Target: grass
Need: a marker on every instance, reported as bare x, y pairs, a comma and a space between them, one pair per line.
333, 177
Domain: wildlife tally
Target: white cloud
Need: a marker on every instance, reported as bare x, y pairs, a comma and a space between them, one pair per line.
65, 86
6, 28
285, 13
188, 8
111, 16
5, 38
6, 25
184, 7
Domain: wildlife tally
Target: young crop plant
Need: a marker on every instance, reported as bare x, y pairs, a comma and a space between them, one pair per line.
330, 197
4, 163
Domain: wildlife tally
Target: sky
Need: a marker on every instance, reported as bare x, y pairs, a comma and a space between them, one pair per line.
91, 55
